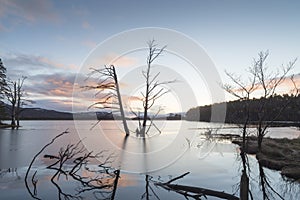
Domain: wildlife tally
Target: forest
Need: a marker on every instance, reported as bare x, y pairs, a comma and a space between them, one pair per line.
287, 105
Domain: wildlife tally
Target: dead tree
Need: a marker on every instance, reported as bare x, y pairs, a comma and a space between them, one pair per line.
20, 99
264, 83
193, 192
71, 163
108, 90
15, 96
154, 89
11, 95
242, 91
269, 82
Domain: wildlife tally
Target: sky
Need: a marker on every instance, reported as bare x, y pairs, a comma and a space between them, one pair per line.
48, 41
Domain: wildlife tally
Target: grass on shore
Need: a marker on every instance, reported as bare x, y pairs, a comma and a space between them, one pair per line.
279, 154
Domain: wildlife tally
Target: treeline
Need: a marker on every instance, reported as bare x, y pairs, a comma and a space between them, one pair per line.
278, 108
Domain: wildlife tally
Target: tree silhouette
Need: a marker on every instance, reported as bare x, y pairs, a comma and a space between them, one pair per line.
15, 96
109, 91
265, 82
71, 163
268, 82
3, 88
154, 89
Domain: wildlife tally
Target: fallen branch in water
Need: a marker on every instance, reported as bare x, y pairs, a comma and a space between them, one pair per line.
75, 165
33, 195
193, 192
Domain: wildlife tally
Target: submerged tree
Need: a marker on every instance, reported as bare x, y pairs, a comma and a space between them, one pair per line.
20, 99
154, 89
109, 91
15, 96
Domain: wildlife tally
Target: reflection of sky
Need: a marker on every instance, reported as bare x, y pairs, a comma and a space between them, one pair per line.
220, 169
44, 38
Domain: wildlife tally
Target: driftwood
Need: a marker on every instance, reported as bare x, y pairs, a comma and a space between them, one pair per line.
194, 192
70, 163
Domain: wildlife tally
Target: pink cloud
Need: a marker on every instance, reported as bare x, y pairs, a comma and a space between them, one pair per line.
285, 87
89, 43
29, 11
115, 59
86, 25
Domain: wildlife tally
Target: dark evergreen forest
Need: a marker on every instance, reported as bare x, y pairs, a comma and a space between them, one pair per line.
279, 108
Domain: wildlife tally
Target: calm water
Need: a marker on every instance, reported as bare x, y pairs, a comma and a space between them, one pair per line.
180, 147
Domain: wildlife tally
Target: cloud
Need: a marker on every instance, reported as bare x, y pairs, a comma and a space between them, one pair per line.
86, 25
53, 85
112, 59
58, 89
51, 91
89, 43
286, 86
24, 63
29, 10
2, 28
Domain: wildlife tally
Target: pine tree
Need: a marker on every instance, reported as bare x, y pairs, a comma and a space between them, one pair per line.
3, 83
3, 86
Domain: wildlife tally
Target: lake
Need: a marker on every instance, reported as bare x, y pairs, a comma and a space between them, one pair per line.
177, 148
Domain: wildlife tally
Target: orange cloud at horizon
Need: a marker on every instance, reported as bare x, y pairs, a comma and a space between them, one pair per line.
287, 86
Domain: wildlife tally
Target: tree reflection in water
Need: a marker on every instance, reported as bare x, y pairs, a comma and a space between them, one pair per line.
267, 189
74, 164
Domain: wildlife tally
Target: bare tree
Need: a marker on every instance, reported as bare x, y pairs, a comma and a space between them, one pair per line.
72, 162
242, 91
264, 82
109, 91
269, 82
154, 88
11, 95
20, 99
15, 96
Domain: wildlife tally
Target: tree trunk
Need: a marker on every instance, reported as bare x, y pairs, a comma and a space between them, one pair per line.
18, 121
13, 106
18, 99
120, 102
259, 142
244, 186
143, 130
13, 117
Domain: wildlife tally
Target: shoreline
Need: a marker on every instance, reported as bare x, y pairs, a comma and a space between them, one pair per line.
277, 154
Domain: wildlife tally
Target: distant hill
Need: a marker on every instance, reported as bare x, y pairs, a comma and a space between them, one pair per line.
45, 114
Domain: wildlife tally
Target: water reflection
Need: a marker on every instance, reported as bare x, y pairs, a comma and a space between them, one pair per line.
254, 177
73, 164
10, 173
222, 169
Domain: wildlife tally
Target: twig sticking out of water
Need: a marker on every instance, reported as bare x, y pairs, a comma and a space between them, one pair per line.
32, 194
